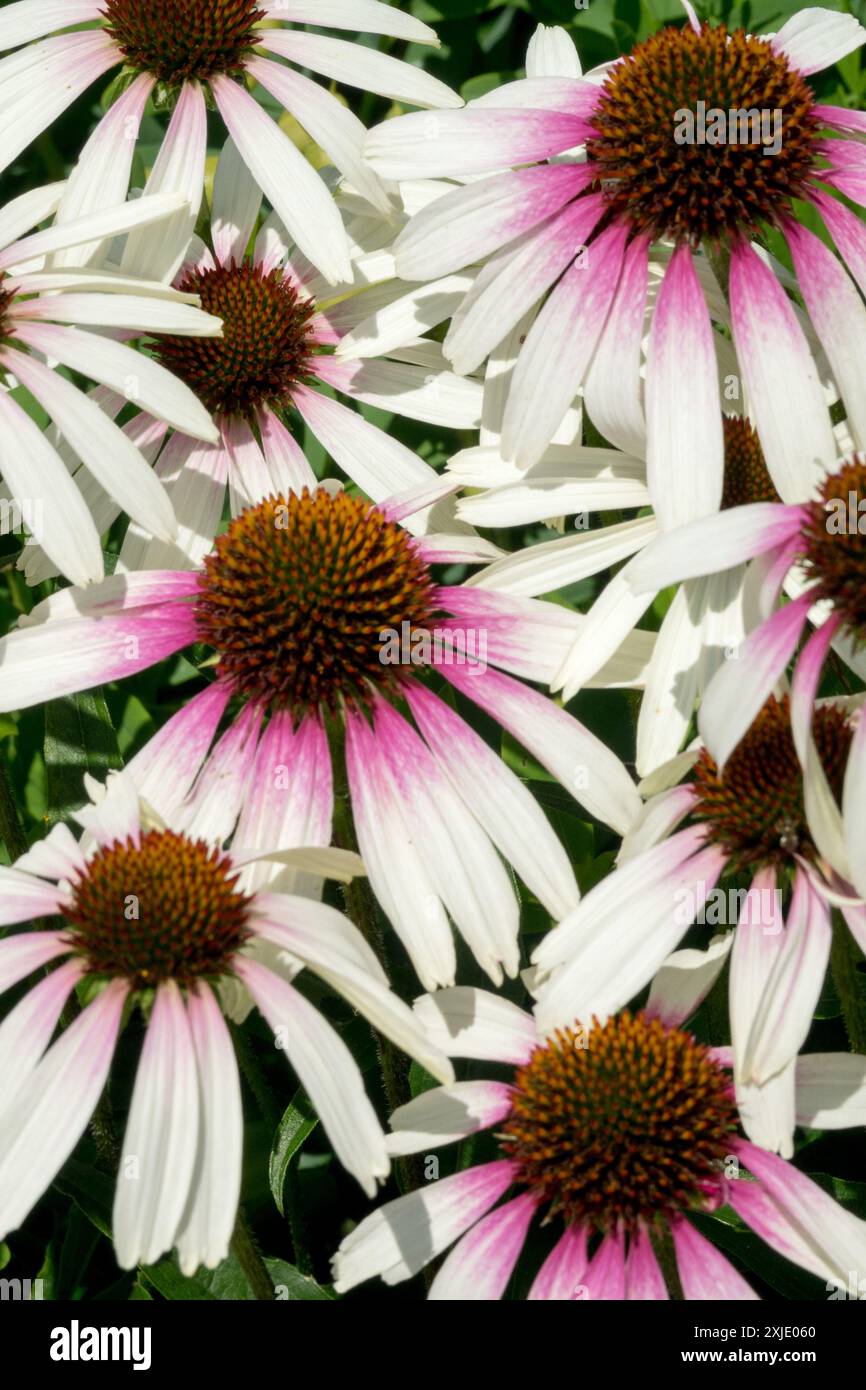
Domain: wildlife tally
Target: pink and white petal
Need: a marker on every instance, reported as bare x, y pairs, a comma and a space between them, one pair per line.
816, 38
757, 943
604, 1279
468, 1022
213, 806
61, 68
100, 179
616, 952
158, 1154
327, 1071
35, 473
501, 803
853, 795
644, 1281
741, 687
379, 464
316, 934
847, 231
235, 206
26, 1032
831, 1090
401, 1237
796, 1217
841, 118
427, 145
368, 16
785, 393
33, 19
714, 543
359, 66
550, 565
514, 280
661, 815
290, 801
613, 388
133, 375
297, 193
839, 318
470, 222
179, 168
95, 650
784, 1016
167, 766
286, 460
45, 1121
685, 446
195, 475
248, 473
479, 1267
333, 127
574, 756
397, 872
465, 869
447, 1113
685, 979
207, 1224
704, 1271
559, 348
25, 952
559, 1279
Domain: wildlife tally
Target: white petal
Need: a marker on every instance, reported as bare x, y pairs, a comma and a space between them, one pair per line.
162, 1132
816, 38
135, 376
45, 1122
102, 447
466, 1022
34, 473
327, 1071
208, 1223
446, 1113
297, 193
359, 66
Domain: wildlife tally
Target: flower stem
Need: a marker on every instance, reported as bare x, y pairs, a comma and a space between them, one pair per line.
249, 1258
11, 829
845, 956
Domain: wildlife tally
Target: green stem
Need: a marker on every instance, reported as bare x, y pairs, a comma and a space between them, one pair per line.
265, 1098
249, 1258
663, 1245
844, 958
720, 260
254, 1076
11, 829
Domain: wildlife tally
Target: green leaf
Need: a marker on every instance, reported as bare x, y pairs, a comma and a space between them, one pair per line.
91, 1190
167, 1279
298, 1122
79, 738
291, 1285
